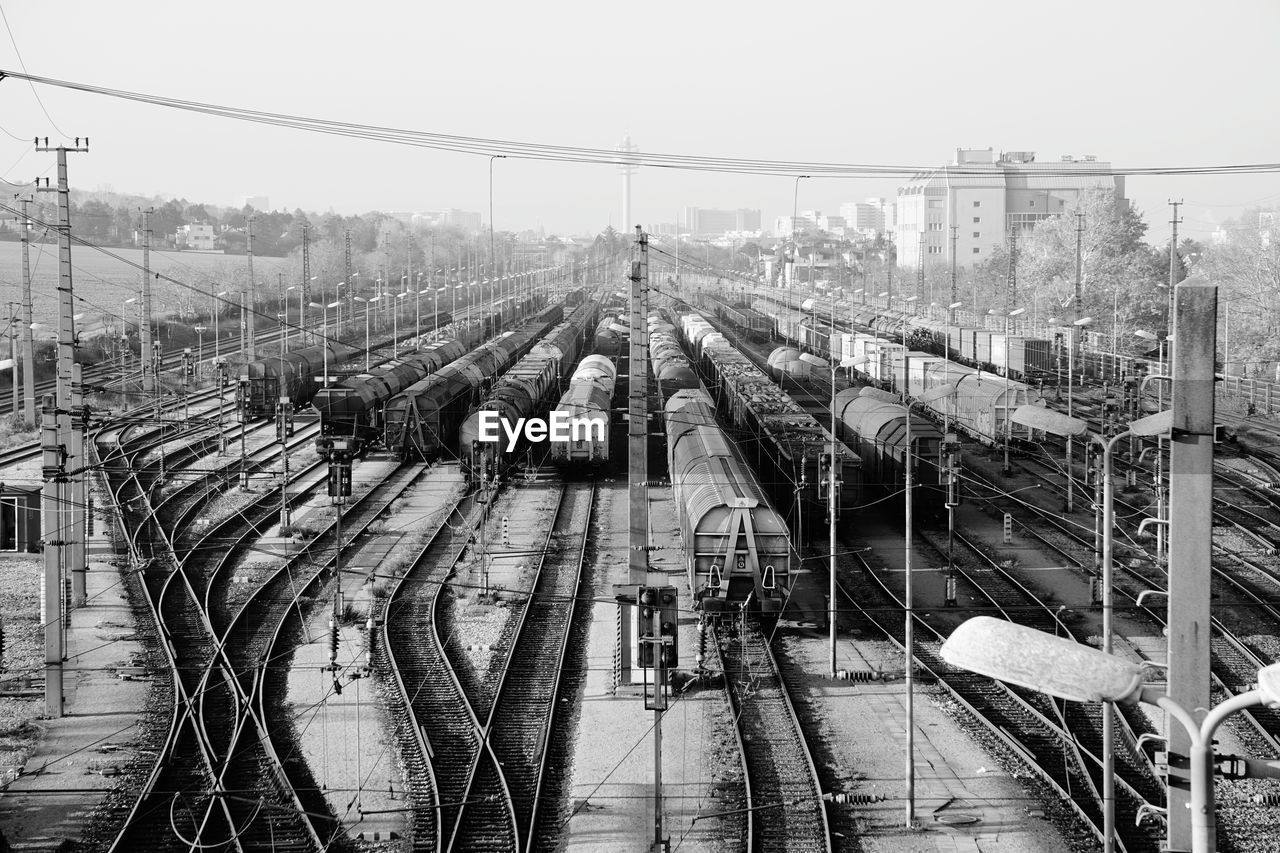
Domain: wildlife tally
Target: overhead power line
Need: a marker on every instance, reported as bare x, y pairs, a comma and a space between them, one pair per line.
486, 147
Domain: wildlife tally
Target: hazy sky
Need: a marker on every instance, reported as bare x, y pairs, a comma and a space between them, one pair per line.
1170, 83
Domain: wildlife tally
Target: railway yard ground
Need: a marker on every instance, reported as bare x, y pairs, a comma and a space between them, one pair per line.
965, 797
67, 767
432, 661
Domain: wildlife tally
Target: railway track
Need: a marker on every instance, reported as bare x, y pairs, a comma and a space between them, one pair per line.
783, 794
434, 725
520, 716
484, 749
1033, 734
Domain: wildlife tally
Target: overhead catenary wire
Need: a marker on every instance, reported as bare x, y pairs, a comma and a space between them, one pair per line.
486, 146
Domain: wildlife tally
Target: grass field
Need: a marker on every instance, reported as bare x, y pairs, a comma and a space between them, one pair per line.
102, 281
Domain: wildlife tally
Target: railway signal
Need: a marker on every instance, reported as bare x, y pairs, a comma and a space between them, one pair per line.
284, 419
656, 628
646, 627
339, 472
668, 625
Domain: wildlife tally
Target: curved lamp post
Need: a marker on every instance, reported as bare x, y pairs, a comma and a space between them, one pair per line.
931, 395
1066, 669
1038, 417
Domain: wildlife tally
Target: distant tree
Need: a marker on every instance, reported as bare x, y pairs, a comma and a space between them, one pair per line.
166, 219
1246, 269
94, 222
1118, 270
198, 213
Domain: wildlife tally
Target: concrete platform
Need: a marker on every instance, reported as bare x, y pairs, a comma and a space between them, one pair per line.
79, 757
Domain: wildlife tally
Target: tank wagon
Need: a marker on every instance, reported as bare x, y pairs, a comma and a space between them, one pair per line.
524, 391
421, 422
792, 448
264, 381
589, 398
610, 336
738, 552
352, 408
667, 361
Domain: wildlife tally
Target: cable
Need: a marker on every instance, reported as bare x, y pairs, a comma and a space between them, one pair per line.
535, 151
30, 81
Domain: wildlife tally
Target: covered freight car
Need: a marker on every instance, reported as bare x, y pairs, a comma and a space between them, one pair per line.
588, 400
736, 544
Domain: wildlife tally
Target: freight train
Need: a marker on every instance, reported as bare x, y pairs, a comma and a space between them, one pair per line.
588, 400
421, 422
983, 401
264, 381
789, 446
737, 550
353, 408
524, 391
877, 428
611, 336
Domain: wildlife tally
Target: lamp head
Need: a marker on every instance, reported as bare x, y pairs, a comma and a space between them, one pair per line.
1043, 662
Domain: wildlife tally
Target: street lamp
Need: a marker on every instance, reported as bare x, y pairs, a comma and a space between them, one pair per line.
795, 246
909, 460
1071, 350
1069, 670
199, 330
1008, 424
366, 329
395, 321
324, 334
1047, 420
337, 315
1159, 466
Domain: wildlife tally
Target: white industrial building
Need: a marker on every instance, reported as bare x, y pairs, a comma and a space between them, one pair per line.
985, 196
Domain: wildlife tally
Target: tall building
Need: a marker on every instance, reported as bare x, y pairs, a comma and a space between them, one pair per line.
984, 197
867, 216
259, 203
464, 219
701, 221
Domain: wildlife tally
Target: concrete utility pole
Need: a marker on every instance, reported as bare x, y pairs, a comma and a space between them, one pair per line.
28, 350
51, 615
349, 278
57, 561
252, 352
627, 169
955, 297
920, 268
1173, 266
637, 442
149, 377
305, 299
1011, 292
13, 354
77, 555
1190, 531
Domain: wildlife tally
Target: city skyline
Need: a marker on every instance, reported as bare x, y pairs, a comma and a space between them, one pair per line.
1095, 94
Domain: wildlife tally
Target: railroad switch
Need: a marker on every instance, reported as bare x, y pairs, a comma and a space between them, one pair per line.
853, 799
859, 675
